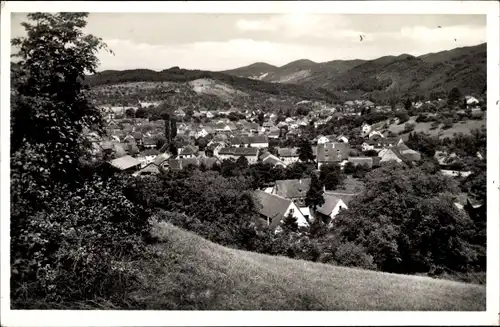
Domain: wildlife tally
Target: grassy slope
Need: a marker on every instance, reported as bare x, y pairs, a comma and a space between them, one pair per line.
426, 127
190, 273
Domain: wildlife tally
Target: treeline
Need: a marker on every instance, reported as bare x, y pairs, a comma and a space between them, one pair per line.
176, 74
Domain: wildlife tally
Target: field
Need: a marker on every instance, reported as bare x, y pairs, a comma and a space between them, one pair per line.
459, 127
190, 273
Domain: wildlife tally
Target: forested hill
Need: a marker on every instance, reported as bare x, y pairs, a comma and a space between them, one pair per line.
464, 68
176, 74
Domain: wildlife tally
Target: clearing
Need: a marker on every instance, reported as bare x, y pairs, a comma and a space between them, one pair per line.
460, 127
208, 86
191, 273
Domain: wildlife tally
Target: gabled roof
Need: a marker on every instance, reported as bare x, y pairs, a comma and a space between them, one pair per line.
288, 152
272, 206
227, 151
149, 169
161, 158
246, 152
125, 162
346, 197
272, 159
292, 188
331, 202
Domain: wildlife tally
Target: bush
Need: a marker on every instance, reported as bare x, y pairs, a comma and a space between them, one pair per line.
79, 247
351, 255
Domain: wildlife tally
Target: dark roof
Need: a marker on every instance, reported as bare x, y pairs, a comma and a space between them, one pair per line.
292, 188
346, 197
150, 152
246, 151
227, 151
149, 169
148, 140
332, 152
272, 206
288, 152
330, 203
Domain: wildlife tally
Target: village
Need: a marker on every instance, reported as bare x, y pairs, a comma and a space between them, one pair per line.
137, 146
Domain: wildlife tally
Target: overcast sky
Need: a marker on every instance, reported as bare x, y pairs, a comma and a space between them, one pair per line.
217, 42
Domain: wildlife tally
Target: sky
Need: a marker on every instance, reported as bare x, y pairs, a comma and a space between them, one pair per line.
225, 41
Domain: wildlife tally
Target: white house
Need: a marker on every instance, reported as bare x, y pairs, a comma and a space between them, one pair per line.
288, 155
342, 138
366, 129
332, 206
323, 140
201, 133
274, 209
471, 101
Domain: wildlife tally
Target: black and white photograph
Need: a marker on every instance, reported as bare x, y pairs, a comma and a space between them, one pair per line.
209, 160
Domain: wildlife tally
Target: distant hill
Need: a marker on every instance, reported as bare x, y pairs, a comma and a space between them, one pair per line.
464, 68
191, 273
175, 74
338, 80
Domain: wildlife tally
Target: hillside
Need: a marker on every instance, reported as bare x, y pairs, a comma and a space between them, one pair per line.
464, 68
191, 273
180, 76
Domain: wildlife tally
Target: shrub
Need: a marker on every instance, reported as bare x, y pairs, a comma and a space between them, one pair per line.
78, 247
352, 255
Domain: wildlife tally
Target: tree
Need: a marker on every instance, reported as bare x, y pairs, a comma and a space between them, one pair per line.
454, 96
130, 113
290, 224
50, 106
260, 118
314, 196
331, 176
141, 113
305, 151
408, 104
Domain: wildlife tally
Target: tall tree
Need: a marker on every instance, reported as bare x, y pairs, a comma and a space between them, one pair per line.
331, 176
305, 151
454, 96
407, 104
314, 196
50, 106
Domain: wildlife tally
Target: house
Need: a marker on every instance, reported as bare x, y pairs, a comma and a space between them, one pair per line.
147, 156
187, 152
252, 154
149, 142
365, 129
331, 153
375, 135
330, 208
208, 162
357, 161
342, 138
400, 153
225, 153
179, 113
471, 101
210, 114
138, 138
150, 169
161, 159
272, 160
292, 189
274, 208
257, 141
288, 155
126, 163
324, 139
